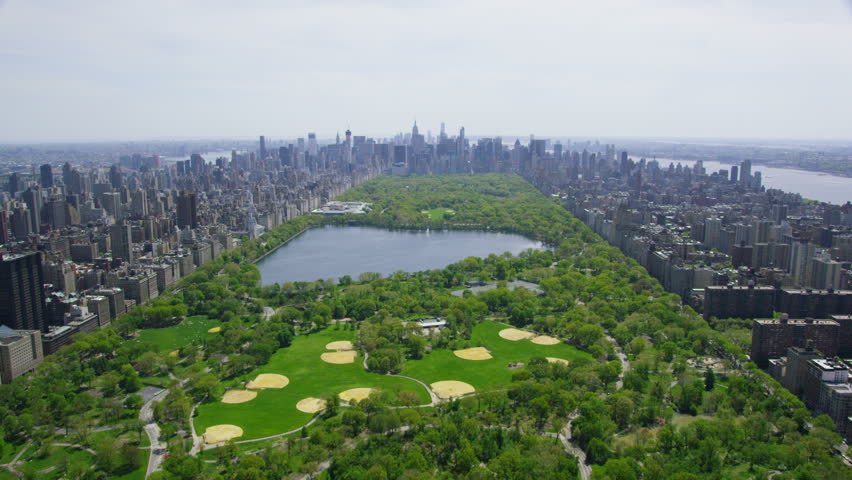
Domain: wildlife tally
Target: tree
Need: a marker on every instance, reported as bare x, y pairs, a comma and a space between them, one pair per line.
130, 381
709, 379
133, 402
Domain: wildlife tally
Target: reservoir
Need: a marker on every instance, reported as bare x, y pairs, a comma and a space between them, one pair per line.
332, 251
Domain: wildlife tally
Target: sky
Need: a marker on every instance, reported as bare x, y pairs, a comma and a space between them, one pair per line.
87, 70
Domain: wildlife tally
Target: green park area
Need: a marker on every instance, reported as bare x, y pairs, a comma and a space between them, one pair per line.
274, 411
443, 364
193, 330
52, 462
438, 213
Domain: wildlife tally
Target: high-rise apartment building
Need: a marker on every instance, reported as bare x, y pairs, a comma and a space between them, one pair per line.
121, 242
22, 291
187, 210
20, 352
46, 175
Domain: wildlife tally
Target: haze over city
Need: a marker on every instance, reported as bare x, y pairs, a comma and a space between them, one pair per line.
87, 70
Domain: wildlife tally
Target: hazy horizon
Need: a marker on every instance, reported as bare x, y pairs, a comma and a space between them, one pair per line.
91, 71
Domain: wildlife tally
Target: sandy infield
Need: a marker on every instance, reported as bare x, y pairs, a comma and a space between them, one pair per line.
451, 388
238, 396
341, 345
355, 394
475, 353
557, 360
268, 380
311, 405
545, 340
339, 357
222, 433
514, 334
215, 330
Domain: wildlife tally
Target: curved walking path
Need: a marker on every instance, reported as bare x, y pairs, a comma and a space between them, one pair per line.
157, 449
625, 364
271, 437
75, 445
434, 398
564, 436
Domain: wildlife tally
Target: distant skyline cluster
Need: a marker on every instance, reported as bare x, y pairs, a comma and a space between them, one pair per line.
96, 71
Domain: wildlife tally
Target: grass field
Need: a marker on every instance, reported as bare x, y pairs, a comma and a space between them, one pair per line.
8, 451
55, 454
274, 410
191, 330
490, 374
438, 213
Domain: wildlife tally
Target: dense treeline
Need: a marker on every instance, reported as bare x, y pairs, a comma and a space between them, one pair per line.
490, 201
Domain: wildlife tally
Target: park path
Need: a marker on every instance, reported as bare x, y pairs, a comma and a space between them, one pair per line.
11, 465
105, 428
75, 445
625, 364
564, 436
271, 437
157, 449
434, 398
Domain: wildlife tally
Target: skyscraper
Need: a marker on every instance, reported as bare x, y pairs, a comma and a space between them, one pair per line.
14, 183
122, 243
22, 291
4, 226
745, 172
32, 197
187, 210
262, 147
46, 174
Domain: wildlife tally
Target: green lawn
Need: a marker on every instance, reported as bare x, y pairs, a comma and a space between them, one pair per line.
192, 330
491, 374
52, 459
274, 410
438, 213
8, 451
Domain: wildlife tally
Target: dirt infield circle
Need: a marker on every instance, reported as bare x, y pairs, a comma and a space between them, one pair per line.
339, 357
545, 340
475, 353
221, 433
311, 405
238, 396
557, 360
340, 345
514, 334
268, 380
215, 330
451, 388
356, 394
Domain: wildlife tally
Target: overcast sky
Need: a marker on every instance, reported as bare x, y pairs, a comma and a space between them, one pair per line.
98, 69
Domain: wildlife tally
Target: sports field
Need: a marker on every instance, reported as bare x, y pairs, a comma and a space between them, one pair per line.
438, 213
490, 374
192, 330
274, 411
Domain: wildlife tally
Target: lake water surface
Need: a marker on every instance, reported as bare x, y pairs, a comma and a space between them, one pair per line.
331, 252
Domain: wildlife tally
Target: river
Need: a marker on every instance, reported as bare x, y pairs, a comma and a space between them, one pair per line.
332, 251
813, 185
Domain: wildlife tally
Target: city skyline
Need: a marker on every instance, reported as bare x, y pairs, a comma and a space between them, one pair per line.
724, 70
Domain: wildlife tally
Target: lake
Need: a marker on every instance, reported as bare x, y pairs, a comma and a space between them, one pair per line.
819, 186
331, 252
